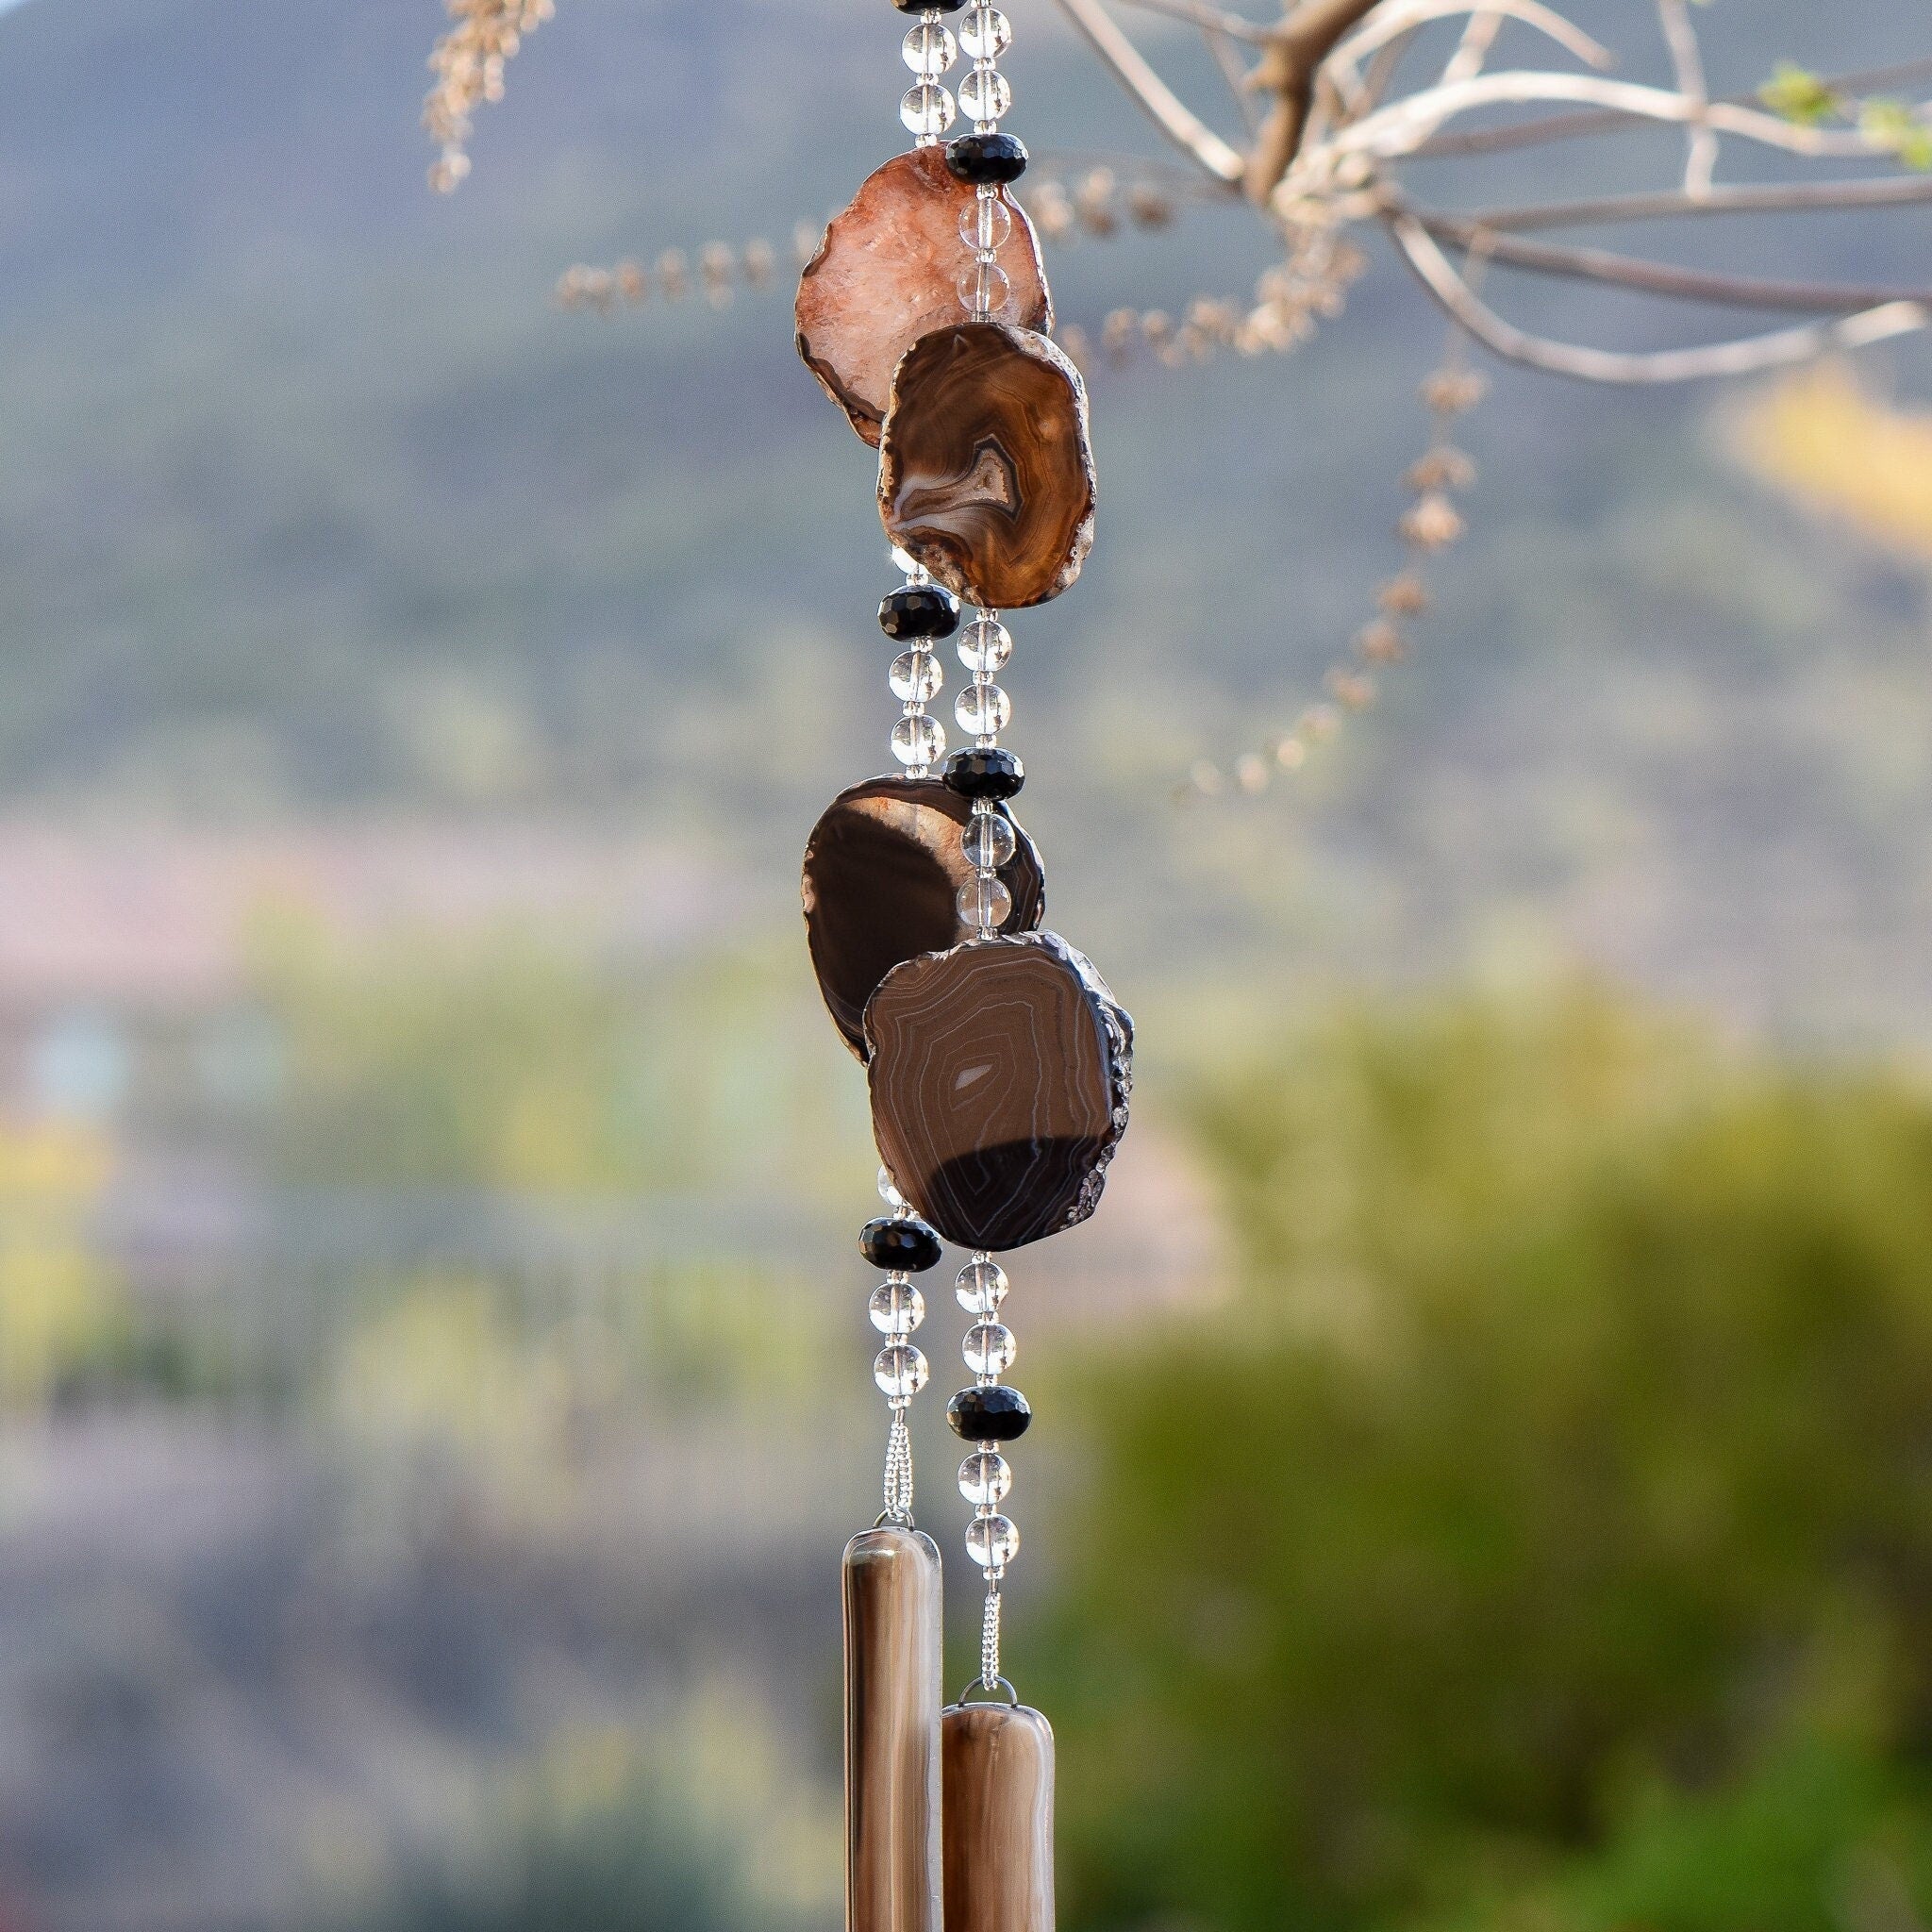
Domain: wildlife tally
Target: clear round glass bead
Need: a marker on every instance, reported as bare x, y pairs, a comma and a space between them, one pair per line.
896, 1308
981, 1287
989, 1348
985, 904
888, 1189
985, 95
985, 1478
988, 840
916, 676
908, 565
930, 49
918, 739
986, 33
984, 288
986, 222
900, 1370
984, 711
992, 1542
927, 108
985, 644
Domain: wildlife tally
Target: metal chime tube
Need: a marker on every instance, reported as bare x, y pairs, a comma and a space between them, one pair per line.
999, 1770
892, 1704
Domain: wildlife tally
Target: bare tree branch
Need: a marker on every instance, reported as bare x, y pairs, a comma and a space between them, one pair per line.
1659, 278
1400, 128
1758, 353
1211, 19
1228, 59
1545, 20
1489, 141
1161, 105
1478, 37
1305, 37
1687, 59
1784, 197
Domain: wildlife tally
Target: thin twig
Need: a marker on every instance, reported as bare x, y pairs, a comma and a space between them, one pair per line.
1379, 79
1545, 20
1216, 20
1784, 197
1229, 60
1687, 59
1758, 353
1660, 278
1473, 49
1400, 128
1489, 141
1158, 101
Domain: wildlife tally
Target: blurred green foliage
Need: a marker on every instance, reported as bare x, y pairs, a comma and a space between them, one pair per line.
524, 1063
625, 1871
1545, 1537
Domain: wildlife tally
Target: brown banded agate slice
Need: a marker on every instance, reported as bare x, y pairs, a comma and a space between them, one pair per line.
888, 272
883, 869
1000, 1077
986, 470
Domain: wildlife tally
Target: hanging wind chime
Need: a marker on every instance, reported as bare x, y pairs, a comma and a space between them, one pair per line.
998, 1062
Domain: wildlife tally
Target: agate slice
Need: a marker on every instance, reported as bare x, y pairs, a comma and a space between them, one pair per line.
888, 272
883, 871
986, 472
998, 1833
1000, 1077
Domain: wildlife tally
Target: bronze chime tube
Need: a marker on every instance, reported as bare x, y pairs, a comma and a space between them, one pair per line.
999, 1771
892, 1703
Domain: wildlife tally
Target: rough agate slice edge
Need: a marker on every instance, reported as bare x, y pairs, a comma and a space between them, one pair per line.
887, 273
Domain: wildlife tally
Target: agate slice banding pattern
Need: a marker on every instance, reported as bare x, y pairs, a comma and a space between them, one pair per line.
986, 469
1000, 1076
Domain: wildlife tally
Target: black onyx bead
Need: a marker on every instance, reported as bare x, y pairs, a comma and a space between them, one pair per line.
998, 1414
908, 1246
935, 6
918, 611
984, 158
984, 772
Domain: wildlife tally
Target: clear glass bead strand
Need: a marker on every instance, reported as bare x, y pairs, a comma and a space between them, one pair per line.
986, 33
930, 50
985, 95
928, 111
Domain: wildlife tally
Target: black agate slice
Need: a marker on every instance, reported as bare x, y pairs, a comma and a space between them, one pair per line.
1000, 1079
883, 871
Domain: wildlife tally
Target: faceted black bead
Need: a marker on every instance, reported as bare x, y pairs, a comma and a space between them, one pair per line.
998, 1414
984, 772
921, 6
919, 610
983, 159
909, 1246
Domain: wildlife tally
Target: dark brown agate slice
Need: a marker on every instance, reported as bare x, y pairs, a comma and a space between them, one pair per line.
986, 472
888, 272
1000, 1079
883, 871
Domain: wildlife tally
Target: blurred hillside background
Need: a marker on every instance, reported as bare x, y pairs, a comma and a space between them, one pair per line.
1483, 1463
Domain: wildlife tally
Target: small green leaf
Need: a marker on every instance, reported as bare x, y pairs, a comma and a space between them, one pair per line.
1796, 94
1896, 126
